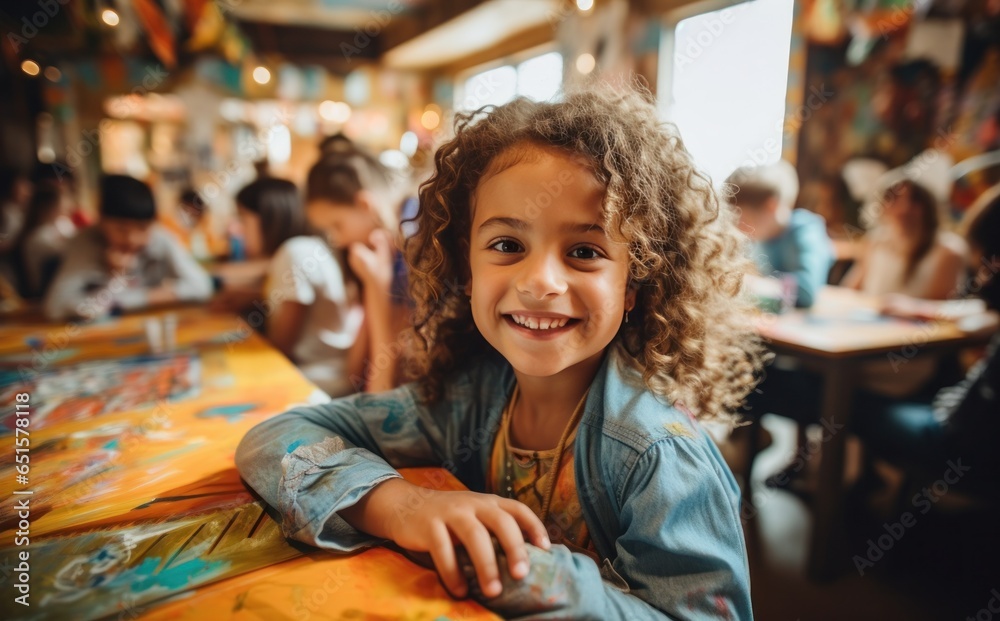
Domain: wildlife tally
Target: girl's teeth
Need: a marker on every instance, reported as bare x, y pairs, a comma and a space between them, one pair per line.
540, 324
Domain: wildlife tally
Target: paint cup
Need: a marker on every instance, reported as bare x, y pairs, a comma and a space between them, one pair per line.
170, 331
154, 334
789, 292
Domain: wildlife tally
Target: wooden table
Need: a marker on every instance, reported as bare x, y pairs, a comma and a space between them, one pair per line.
842, 330
136, 508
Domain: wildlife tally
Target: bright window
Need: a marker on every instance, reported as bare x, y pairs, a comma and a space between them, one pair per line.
727, 84
538, 78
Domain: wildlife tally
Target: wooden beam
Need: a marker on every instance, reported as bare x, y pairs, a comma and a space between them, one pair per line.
406, 27
526, 40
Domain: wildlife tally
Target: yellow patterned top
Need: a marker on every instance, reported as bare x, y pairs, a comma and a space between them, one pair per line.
531, 471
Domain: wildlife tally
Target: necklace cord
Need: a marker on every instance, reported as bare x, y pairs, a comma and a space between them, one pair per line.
560, 448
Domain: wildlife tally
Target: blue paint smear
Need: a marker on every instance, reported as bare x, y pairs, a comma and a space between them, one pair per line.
175, 577
231, 413
393, 423
295, 445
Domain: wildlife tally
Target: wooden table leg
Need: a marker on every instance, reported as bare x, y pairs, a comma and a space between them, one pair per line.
828, 533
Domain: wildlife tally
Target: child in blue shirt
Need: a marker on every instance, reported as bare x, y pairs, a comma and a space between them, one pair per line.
787, 241
578, 309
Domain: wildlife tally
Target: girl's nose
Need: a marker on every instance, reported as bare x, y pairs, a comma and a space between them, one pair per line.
542, 276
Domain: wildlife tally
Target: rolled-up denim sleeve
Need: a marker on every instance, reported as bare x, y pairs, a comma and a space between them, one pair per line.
312, 462
681, 554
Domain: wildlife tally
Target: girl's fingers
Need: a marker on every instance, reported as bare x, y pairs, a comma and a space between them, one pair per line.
379, 239
527, 521
508, 532
471, 532
442, 552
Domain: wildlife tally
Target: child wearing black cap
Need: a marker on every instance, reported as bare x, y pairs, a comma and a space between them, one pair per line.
125, 261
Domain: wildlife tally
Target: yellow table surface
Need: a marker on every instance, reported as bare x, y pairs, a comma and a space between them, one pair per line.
140, 511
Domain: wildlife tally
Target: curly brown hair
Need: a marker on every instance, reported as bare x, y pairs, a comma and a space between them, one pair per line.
689, 333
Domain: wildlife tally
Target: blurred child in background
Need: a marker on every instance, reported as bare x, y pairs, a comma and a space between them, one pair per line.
15, 192
960, 420
60, 175
907, 250
125, 261
311, 312
192, 226
46, 233
351, 198
788, 242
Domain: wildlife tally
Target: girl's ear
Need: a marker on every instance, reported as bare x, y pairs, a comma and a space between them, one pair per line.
630, 295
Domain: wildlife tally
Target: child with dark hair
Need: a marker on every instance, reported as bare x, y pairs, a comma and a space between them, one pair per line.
352, 198
337, 144
15, 192
192, 225
908, 251
125, 261
58, 174
312, 313
578, 310
46, 232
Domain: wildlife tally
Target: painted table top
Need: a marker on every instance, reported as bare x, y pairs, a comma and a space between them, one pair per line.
136, 509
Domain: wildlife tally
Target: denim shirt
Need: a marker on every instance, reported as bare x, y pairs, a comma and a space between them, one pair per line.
661, 506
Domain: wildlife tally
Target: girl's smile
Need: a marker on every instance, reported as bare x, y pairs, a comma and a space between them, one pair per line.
540, 325
548, 287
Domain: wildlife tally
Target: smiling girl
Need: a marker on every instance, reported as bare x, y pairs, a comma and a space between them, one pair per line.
578, 310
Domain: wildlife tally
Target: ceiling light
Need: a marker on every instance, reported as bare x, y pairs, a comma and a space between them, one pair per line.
261, 75
30, 67
109, 17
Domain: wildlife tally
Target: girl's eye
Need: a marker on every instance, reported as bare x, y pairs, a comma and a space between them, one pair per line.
584, 252
506, 246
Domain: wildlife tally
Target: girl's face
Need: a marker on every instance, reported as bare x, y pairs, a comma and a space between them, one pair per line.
901, 211
249, 227
548, 287
343, 225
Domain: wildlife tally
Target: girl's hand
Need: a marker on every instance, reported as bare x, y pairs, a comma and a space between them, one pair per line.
906, 307
372, 262
468, 518
425, 520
